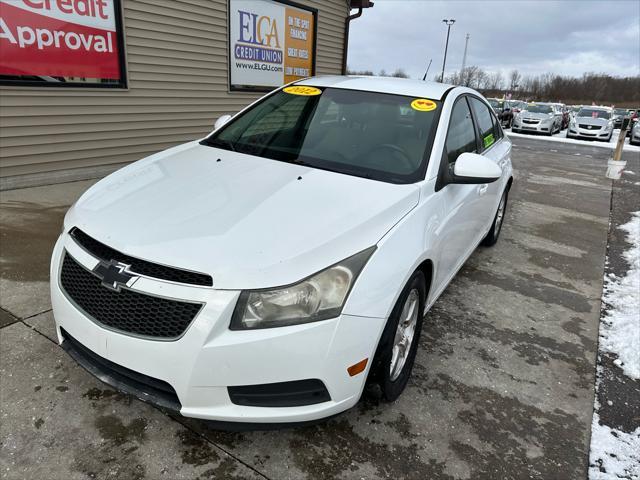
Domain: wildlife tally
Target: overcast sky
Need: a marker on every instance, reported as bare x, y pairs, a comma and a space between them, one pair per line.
567, 37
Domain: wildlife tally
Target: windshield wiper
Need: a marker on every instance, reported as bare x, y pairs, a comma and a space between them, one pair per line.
220, 142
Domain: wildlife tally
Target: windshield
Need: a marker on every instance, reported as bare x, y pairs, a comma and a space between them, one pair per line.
539, 109
620, 111
495, 103
366, 134
594, 113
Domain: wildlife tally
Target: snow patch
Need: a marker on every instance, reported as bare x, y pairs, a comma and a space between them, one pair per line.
562, 138
620, 326
614, 454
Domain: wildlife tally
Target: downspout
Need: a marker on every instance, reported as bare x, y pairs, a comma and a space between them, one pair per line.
345, 44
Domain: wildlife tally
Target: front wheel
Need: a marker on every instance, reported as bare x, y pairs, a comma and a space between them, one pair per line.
396, 352
496, 226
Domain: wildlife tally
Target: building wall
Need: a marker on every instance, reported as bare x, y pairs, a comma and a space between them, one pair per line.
178, 86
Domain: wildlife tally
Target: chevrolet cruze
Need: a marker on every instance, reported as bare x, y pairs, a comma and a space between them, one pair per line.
539, 118
268, 272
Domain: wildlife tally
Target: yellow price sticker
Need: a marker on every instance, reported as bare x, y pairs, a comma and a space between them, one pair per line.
302, 90
423, 105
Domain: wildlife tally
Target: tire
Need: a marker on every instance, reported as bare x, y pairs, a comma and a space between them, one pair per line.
391, 370
496, 227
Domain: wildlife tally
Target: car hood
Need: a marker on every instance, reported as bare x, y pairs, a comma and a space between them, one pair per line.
247, 221
536, 116
600, 122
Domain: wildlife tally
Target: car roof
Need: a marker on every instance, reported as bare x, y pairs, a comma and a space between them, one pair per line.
397, 86
598, 107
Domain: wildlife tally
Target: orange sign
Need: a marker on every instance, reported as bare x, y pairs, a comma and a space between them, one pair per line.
298, 40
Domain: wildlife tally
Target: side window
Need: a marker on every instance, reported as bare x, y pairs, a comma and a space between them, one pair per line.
485, 123
497, 129
461, 137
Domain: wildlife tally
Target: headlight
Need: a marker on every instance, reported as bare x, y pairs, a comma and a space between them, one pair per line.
318, 297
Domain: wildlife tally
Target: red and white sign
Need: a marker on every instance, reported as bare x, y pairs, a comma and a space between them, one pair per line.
59, 38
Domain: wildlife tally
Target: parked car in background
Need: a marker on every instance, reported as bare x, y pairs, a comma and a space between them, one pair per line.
538, 118
562, 111
573, 109
268, 272
502, 109
619, 114
633, 119
634, 137
507, 109
592, 122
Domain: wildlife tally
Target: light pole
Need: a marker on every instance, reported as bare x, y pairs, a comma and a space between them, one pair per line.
446, 45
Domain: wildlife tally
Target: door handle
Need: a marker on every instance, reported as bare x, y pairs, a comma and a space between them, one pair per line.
482, 189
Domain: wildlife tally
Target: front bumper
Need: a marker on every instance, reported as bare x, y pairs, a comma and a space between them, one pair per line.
578, 132
208, 358
521, 126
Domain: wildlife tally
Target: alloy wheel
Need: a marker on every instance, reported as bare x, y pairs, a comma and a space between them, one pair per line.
405, 333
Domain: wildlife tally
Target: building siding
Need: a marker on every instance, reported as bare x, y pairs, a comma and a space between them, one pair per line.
177, 71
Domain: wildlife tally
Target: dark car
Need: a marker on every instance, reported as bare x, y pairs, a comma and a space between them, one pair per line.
505, 110
619, 114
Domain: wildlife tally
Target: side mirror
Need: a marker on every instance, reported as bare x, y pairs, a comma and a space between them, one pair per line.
474, 168
221, 121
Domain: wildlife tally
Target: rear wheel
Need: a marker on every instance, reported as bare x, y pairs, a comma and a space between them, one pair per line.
496, 226
396, 352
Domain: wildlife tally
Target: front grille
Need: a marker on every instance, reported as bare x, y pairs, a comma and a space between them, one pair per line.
146, 388
126, 311
136, 265
590, 127
533, 122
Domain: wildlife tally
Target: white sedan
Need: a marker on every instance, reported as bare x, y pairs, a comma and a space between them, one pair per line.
266, 273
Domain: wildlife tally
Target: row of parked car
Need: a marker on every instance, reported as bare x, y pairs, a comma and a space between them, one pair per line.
588, 122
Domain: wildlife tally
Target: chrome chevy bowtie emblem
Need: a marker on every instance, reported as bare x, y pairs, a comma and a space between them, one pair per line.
114, 274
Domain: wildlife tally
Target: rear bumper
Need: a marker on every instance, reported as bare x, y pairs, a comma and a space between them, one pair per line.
201, 365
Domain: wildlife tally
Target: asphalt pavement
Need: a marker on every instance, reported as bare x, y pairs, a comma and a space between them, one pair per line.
503, 385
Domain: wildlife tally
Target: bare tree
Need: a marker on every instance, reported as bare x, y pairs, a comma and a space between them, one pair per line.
514, 80
494, 81
400, 73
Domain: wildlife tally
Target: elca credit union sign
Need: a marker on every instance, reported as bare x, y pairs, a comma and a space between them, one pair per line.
270, 43
61, 42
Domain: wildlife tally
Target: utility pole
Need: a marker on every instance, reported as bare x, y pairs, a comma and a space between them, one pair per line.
464, 56
446, 46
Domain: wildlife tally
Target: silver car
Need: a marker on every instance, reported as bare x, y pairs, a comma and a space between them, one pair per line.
592, 122
537, 118
635, 134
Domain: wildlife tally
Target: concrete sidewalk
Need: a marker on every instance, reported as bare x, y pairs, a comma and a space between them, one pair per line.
502, 387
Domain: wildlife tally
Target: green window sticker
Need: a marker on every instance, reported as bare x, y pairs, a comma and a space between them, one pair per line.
489, 140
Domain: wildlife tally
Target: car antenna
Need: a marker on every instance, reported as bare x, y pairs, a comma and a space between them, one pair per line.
427, 72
